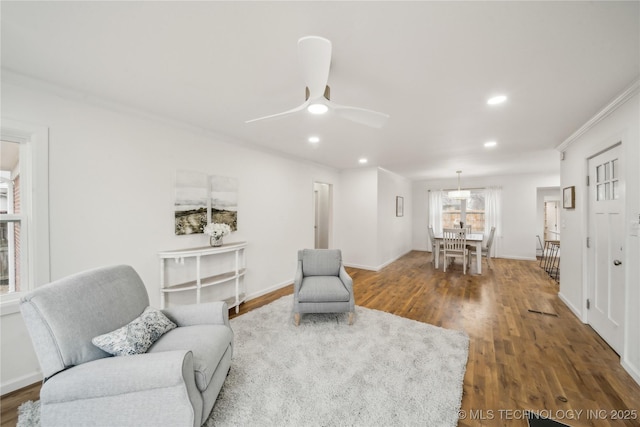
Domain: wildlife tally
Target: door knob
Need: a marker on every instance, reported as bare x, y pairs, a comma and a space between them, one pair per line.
617, 262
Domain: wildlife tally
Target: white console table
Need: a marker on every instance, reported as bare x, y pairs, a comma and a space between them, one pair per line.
202, 255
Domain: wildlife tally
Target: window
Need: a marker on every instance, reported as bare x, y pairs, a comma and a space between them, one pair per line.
11, 218
24, 210
469, 211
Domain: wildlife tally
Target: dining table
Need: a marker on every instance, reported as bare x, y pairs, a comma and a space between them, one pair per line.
472, 239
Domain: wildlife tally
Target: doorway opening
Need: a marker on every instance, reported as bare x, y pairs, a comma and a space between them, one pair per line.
548, 224
551, 220
322, 205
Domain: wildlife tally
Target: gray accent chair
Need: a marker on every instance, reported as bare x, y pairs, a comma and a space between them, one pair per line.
175, 383
321, 284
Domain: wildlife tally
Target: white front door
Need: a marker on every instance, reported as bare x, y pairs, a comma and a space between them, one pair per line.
606, 278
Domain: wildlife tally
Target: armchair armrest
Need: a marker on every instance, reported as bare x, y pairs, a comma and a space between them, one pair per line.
114, 376
297, 281
346, 279
118, 391
211, 313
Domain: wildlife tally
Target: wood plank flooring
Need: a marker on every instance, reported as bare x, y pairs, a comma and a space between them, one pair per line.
527, 350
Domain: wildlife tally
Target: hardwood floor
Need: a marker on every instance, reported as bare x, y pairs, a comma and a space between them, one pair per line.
526, 351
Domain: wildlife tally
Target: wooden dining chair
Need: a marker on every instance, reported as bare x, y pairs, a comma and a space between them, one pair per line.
434, 242
486, 249
455, 246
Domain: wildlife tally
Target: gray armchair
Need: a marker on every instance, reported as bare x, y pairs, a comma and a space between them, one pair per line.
322, 284
175, 383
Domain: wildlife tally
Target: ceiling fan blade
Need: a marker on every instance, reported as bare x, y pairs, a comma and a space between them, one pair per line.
284, 113
360, 115
314, 54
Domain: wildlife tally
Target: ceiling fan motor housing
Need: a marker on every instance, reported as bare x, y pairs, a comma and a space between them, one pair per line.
327, 93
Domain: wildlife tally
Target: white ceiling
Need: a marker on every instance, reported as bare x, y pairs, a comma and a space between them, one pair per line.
430, 65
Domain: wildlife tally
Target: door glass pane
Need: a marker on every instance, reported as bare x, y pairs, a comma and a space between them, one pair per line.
607, 192
600, 193
607, 175
616, 191
599, 173
614, 169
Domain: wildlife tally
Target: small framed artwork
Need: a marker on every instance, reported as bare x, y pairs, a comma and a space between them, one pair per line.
569, 197
399, 206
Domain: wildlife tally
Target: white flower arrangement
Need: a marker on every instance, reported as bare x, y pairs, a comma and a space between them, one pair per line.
217, 230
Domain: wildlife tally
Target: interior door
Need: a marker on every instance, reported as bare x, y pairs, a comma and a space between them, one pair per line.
606, 277
551, 220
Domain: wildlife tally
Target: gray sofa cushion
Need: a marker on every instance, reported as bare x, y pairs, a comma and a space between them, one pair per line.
207, 342
323, 289
320, 262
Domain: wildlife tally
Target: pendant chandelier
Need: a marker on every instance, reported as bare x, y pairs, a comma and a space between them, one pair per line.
459, 194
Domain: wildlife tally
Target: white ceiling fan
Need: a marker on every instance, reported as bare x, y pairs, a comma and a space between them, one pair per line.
315, 58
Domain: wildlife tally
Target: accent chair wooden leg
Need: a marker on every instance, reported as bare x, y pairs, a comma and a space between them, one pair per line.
351, 315
296, 319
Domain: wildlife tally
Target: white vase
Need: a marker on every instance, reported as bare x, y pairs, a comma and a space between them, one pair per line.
215, 242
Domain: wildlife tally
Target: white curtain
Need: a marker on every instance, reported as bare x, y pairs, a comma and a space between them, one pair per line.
435, 211
493, 215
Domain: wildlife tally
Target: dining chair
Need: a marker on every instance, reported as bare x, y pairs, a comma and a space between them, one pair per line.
455, 246
434, 242
486, 248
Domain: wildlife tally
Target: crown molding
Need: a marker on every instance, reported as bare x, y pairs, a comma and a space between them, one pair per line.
619, 100
31, 83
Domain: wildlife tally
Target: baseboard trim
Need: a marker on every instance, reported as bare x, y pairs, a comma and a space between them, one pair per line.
376, 268
383, 265
268, 290
571, 307
361, 267
633, 371
20, 382
516, 257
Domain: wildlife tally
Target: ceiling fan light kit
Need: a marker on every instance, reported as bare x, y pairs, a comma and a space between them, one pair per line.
317, 108
314, 54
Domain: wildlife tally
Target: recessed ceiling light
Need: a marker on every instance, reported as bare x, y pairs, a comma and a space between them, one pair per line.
314, 139
499, 99
317, 108
490, 144
363, 160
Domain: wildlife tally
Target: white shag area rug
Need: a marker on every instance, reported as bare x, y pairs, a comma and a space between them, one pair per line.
382, 370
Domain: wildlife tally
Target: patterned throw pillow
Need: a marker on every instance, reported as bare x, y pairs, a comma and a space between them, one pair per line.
137, 336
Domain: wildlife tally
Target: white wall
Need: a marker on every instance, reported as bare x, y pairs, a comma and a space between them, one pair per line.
621, 125
394, 232
519, 210
371, 234
111, 180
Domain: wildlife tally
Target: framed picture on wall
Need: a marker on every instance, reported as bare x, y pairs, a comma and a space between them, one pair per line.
569, 197
399, 206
